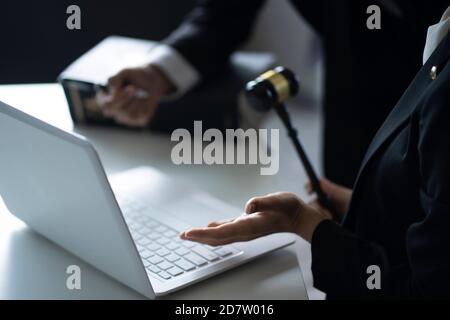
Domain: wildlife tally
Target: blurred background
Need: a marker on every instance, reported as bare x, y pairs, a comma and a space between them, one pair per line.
37, 46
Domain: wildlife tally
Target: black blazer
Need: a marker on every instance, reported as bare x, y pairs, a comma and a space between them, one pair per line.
399, 217
359, 93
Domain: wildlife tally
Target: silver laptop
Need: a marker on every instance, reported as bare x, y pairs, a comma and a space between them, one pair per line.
127, 225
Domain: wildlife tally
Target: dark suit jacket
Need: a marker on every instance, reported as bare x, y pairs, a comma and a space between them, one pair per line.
359, 88
399, 215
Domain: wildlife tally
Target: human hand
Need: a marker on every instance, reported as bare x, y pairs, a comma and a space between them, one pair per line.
338, 195
134, 94
276, 212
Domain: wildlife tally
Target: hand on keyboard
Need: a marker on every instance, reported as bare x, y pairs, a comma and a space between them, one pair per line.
277, 212
163, 253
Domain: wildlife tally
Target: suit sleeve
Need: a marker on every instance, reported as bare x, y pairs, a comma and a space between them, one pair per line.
428, 241
212, 31
340, 258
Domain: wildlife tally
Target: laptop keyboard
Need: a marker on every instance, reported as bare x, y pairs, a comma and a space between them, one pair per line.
164, 255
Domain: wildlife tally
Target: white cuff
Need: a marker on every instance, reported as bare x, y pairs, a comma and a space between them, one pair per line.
182, 74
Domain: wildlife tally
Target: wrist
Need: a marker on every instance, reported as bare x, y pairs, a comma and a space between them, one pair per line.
163, 82
310, 218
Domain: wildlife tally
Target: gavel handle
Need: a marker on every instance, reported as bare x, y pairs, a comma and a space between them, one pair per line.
292, 133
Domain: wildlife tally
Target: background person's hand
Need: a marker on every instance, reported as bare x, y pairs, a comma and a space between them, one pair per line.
338, 195
277, 212
134, 94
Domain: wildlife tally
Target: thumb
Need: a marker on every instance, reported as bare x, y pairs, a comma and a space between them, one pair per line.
330, 188
117, 81
257, 204
327, 186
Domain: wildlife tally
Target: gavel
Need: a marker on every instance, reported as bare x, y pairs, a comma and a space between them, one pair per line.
269, 91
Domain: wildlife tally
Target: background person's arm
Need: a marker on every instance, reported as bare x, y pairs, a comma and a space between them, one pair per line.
212, 31
198, 49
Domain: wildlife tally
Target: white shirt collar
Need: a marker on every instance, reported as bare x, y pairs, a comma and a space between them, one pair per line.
435, 34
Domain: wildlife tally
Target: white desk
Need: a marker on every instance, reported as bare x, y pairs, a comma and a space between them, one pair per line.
32, 267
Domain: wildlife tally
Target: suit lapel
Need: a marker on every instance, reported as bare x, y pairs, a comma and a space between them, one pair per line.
408, 101
404, 108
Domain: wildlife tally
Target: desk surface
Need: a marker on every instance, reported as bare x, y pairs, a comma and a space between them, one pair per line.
31, 267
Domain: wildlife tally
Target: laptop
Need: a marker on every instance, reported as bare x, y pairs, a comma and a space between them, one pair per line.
126, 225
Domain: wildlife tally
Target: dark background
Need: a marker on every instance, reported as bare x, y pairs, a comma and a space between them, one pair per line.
36, 44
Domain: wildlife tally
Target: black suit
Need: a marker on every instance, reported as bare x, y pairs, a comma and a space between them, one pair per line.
359, 89
399, 215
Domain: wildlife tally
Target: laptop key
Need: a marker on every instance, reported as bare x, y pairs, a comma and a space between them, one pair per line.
129, 223
205, 253
161, 228
136, 236
151, 224
170, 234
196, 259
146, 263
145, 254
163, 252
142, 219
188, 244
185, 265
137, 206
154, 269
182, 251
175, 271
164, 275
143, 241
154, 236
172, 246
163, 241
165, 265
136, 227
153, 247
211, 247
172, 257
144, 231
223, 252
155, 259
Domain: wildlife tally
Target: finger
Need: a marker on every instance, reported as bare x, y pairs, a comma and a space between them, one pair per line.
119, 80
218, 223
326, 185
120, 100
258, 204
241, 229
215, 241
308, 188
102, 98
142, 110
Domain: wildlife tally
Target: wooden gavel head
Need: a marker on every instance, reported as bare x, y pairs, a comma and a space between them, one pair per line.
271, 88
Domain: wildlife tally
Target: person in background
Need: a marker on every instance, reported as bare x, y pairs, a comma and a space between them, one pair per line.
396, 219
365, 70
